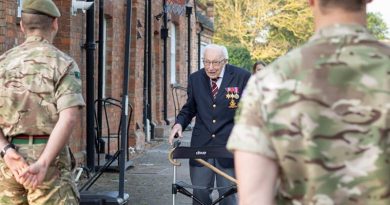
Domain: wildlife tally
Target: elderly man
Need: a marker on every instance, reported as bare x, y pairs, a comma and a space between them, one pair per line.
40, 103
213, 94
318, 118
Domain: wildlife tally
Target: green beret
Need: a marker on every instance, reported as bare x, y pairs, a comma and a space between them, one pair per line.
46, 7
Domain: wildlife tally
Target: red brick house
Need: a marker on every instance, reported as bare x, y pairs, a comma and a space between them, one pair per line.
71, 39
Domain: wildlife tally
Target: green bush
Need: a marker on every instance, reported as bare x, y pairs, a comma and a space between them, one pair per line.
240, 56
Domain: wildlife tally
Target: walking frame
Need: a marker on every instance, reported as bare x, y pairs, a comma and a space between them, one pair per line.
199, 154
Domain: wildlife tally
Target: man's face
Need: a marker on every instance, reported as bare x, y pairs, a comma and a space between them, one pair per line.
213, 62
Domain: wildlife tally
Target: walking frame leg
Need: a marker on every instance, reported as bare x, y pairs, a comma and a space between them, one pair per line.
174, 187
231, 191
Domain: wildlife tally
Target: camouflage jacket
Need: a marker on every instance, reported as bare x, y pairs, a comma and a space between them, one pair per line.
322, 113
37, 81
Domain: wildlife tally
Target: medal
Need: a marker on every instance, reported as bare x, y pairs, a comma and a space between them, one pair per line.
231, 94
236, 96
232, 104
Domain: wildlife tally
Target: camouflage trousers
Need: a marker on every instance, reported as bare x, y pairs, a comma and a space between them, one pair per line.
58, 187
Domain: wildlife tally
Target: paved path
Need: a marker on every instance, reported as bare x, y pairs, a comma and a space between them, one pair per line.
149, 182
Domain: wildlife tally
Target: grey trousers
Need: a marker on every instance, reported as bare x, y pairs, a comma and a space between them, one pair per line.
203, 176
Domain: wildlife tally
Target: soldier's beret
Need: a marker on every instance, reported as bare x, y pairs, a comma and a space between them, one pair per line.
45, 7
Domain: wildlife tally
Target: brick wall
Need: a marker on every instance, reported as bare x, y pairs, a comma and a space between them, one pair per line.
8, 25
71, 38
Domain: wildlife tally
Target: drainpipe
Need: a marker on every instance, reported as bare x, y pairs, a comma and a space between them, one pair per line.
100, 73
90, 86
146, 71
188, 13
150, 67
125, 102
200, 44
164, 36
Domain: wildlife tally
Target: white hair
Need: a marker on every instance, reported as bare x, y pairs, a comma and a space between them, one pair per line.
219, 47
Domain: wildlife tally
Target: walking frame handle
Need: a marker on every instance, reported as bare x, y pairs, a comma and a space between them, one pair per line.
203, 162
170, 153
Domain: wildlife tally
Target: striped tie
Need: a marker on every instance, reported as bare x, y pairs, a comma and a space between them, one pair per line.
214, 87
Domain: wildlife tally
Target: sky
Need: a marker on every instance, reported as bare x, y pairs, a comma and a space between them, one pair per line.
382, 7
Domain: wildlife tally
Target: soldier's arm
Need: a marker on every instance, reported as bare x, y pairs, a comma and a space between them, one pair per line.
58, 139
256, 176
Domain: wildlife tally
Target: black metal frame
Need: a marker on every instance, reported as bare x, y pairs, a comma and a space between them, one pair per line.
180, 189
110, 158
121, 197
99, 138
176, 101
190, 153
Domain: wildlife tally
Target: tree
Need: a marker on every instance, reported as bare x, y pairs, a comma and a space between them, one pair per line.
267, 28
270, 28
376, 25
240, 56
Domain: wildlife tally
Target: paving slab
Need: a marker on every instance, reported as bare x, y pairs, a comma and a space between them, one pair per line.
149, 181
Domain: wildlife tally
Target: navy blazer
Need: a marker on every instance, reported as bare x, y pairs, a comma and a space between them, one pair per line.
214, 118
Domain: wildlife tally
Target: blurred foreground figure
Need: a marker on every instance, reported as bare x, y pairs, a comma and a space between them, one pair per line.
318, 118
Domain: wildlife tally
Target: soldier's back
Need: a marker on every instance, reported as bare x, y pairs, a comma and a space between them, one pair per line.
327, 110
29, 76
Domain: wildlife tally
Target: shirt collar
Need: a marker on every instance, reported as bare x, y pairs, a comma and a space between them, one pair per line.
222, 72
337, 30
36, 39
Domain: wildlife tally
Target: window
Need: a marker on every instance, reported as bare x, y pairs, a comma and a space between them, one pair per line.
104, 56
20, 2
107, 56
202, 46
173, 52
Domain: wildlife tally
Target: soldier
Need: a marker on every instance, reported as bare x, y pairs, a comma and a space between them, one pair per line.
318, 118
40, 103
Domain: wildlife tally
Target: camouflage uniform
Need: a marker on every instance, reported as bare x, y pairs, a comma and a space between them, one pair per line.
37, 81
322, 113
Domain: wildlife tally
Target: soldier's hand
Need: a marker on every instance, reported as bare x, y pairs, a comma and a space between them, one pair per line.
35, 174
16, 163
177, 131
27, 179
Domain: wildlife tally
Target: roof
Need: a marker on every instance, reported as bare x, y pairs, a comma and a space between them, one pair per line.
205, 21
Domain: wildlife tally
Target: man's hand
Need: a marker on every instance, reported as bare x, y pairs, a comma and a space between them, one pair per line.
34, 174
176, 129
16, 163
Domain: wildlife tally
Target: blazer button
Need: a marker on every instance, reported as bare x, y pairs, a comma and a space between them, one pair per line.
214, 121
213, 136
214, 105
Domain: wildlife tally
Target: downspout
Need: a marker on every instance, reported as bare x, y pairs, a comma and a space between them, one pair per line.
90, 86
200, 44
100, 73
146, 71
164, 36
150, 67
189, 12
125, 102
